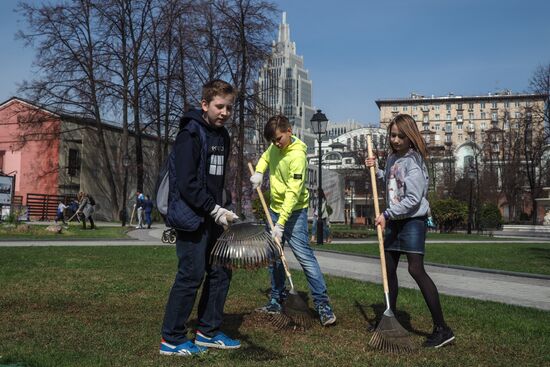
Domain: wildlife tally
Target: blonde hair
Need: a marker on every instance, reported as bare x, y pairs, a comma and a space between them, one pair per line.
407, 125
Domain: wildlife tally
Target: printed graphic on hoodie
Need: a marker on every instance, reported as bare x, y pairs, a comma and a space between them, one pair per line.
216, 161
396, 184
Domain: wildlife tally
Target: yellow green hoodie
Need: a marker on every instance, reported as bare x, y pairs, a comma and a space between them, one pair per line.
287, 177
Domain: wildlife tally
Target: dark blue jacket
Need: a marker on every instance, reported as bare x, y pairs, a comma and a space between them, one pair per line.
199, 161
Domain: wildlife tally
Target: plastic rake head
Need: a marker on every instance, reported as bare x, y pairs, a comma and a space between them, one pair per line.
244, 246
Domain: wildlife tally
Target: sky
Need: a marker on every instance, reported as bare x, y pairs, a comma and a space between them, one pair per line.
358, 51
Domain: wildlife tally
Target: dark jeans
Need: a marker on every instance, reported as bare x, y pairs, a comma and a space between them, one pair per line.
83, 219
193, 250
148, 219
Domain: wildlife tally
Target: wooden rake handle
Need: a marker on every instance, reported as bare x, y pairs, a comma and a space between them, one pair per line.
376, 214
272, 226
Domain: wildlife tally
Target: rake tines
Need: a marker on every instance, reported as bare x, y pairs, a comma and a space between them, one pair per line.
391, 337
244, 246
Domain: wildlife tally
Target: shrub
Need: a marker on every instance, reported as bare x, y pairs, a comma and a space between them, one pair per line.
448, 213
490, 216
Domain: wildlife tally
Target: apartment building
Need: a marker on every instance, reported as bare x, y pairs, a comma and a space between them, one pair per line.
456, 125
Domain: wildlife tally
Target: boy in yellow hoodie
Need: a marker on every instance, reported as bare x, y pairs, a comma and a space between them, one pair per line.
287, 163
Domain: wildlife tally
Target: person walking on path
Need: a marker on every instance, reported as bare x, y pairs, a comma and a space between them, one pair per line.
404, 220
148, 209
201, 155
324, 218
289, 198
86, 209
140, 199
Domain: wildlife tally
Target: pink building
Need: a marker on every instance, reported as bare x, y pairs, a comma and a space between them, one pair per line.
33, 156
56, 153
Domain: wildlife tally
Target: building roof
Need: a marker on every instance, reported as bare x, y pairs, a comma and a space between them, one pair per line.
69, 116
415, 98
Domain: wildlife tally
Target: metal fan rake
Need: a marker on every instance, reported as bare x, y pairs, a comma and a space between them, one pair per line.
245, 245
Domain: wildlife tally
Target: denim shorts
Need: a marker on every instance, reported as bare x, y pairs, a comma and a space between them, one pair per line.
406, 235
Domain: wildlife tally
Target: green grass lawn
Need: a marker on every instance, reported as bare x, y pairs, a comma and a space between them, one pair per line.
73, 231
520, 257
103, 306
343, 231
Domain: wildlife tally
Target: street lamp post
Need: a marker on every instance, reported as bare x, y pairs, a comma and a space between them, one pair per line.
123, 213
319, 124
471, 176
351, 192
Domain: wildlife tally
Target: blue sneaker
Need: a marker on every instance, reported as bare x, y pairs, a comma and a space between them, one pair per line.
272, 307
326, 315
220, 341
186, 349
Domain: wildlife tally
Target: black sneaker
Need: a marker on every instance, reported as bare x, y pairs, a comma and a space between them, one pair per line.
441, 336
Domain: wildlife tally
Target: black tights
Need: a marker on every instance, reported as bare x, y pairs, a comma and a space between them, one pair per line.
425, 283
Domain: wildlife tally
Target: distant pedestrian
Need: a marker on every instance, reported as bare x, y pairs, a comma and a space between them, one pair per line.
148, 209
139, 209
60, 214
404, 220
324, 218
86, 209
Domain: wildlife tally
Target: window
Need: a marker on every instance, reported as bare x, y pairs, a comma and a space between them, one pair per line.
73, 168
394, 108
437, 137
459, 106
448, 127
405, 108
506, 104
471, 115
437, 127
460, 137
437, 107
459, 117
516, 104
482, 105
448, 106
494, 104
482, 126
448, 116
425, 118
494, 116
2, 154
415, 108
471, 106
459, 126
518, 115
483, 115
448, 138
437, 116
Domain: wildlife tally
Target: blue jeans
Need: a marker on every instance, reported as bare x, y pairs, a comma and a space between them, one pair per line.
326, 229
193, 250
296, 234
148, 219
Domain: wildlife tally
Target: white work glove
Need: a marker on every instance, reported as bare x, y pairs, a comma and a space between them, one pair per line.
222, 216
277, 232
256, 179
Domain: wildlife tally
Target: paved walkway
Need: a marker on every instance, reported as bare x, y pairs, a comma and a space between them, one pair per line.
511, 288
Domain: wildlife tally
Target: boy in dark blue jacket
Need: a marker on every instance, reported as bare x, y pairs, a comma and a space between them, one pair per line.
202, 152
